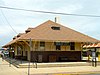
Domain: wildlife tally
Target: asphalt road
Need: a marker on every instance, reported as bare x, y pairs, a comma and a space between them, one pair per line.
92, 74
66, 74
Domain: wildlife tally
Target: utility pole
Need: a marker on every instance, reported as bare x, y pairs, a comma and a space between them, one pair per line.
30, 42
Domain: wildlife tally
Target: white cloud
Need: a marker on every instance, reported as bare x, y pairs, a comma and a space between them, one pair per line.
5, 30
70, 8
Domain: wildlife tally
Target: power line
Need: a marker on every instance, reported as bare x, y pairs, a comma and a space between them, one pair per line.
8, 22
49, 12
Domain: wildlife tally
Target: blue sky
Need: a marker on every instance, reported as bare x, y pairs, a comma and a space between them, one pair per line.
21, 20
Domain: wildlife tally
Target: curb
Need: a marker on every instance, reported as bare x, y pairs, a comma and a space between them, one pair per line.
68, 73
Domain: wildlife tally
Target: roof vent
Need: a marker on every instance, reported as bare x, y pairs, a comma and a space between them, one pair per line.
55, 28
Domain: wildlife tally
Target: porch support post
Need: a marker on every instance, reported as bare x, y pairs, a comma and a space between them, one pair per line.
34, 45
15, 49
52, 45
28, 48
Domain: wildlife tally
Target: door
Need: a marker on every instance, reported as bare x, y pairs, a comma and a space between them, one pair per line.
40, 58
52, 58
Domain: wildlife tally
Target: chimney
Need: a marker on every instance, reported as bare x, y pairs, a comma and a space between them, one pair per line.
56, 19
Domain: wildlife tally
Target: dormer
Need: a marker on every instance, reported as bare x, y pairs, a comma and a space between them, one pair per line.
14, 37
19, 34
28, 30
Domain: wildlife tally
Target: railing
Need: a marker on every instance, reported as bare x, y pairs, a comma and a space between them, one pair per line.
16, 62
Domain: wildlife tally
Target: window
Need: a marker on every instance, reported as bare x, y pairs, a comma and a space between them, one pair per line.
62, 43
42, 45
58, 47
57, 43
72, 46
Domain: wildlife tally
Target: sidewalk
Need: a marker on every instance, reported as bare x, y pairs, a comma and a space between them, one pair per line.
67, 70
6, 70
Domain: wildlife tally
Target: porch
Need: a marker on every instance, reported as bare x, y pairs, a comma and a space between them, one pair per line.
25, 64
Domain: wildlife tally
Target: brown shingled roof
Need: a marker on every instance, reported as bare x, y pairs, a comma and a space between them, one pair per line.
51, 31
45, 32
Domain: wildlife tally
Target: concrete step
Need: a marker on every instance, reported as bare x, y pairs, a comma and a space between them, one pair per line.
60, 65
44, 65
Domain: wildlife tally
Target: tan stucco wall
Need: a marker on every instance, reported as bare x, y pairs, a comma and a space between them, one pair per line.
98, 49
49, 46
78, 47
